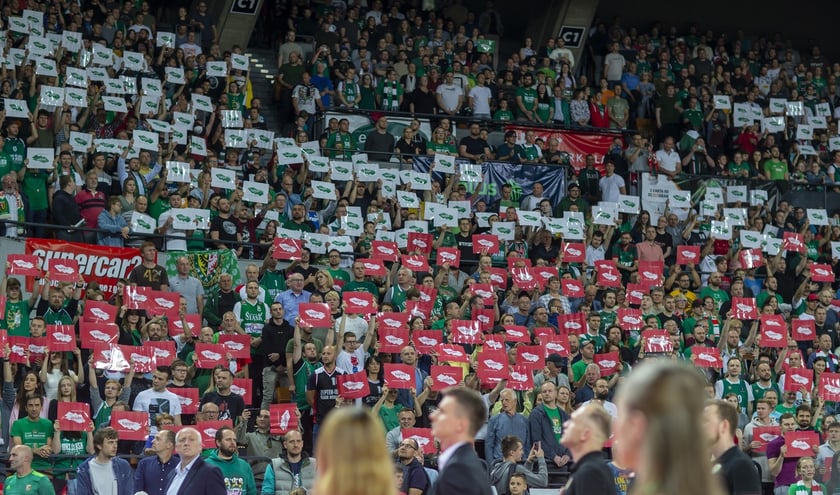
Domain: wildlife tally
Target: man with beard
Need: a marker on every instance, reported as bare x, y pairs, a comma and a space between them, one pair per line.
737, 471
293, 471
602, 396
231, 405
239, 479
415, 479
298, 220
322, 389
223, 229
260, 442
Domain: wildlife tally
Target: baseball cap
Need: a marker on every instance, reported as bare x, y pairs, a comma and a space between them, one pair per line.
813, 297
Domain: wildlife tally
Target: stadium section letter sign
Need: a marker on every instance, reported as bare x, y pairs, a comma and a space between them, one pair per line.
105, 265
576, 144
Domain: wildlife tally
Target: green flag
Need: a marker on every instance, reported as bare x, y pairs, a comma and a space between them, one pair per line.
206, 265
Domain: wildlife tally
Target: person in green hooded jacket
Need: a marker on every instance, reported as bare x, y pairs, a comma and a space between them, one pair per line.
239, 479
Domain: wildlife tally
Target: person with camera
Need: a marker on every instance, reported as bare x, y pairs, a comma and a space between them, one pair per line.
697, 160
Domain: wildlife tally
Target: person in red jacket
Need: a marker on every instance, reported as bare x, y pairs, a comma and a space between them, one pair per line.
599, 116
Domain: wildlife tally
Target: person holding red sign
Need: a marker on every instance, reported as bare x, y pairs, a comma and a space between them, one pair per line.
71, 443
781, 466
756, 445
16, 311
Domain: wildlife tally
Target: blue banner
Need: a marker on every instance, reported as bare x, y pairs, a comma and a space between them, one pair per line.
521, 178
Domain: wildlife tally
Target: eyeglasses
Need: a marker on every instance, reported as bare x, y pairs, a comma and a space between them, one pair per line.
407, 445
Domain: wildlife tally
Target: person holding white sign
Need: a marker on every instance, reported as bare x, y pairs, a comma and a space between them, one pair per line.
176, 239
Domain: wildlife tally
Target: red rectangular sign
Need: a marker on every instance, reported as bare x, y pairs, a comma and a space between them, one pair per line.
130, 425
74, 416
353, 386
399, 376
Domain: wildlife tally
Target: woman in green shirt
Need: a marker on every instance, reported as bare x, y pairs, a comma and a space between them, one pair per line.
236, 99
439, 144
368, 92
545, 105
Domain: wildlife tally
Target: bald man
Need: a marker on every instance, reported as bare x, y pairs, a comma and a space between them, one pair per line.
192, 474
584, 435
25, 480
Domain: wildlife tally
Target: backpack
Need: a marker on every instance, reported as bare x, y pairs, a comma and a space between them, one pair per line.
500, 476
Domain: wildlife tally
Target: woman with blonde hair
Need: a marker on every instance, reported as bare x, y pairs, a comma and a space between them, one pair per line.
323, 283
660, 411
348, 462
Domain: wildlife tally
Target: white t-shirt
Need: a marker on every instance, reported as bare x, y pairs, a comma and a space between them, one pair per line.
668, 161
449, 95
481, 96
356, 325
156, 403
176, 238
615, 66
351, 362
611, 187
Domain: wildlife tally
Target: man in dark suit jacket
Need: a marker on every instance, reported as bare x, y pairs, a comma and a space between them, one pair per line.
459, 416
192, 471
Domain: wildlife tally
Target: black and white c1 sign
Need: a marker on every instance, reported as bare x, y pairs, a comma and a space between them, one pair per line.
248, 7
573, 36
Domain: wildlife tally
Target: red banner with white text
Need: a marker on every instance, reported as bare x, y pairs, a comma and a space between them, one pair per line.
105, 265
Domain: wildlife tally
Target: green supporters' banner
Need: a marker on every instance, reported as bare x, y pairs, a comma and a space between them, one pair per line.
206, 265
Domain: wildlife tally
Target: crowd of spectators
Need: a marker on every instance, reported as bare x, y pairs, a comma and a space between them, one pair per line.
637, 286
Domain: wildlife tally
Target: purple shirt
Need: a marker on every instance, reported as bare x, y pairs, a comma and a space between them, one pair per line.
787, 476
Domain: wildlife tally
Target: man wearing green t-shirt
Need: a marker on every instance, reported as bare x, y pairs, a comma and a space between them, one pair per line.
713, 289
776, 168
359, 282
35, 432
25, 481
526, 99
546, 425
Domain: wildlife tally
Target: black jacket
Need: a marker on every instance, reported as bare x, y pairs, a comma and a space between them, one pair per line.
590, 474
